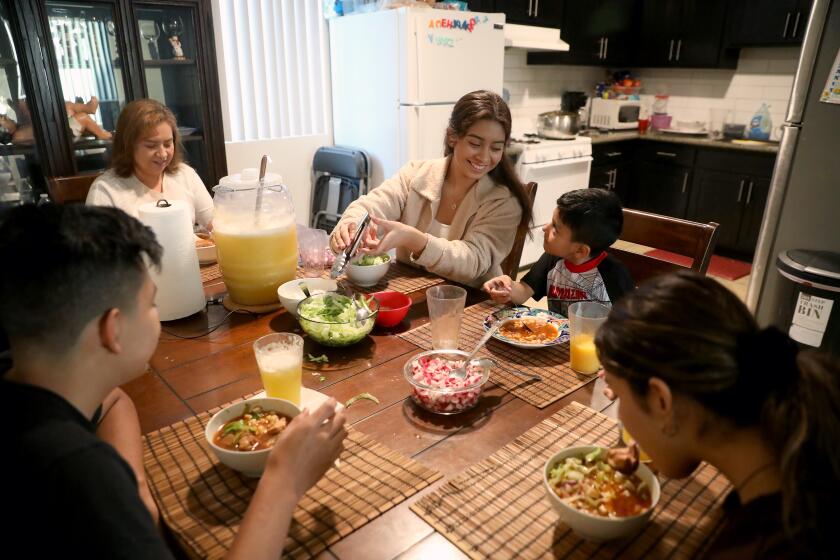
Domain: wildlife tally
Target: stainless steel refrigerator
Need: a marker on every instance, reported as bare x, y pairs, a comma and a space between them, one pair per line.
803, 207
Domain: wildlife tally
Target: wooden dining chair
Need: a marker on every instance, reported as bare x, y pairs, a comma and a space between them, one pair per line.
510, 265
690, 239
70, 189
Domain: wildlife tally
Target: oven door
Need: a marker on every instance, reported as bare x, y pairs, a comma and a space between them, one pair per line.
553, 178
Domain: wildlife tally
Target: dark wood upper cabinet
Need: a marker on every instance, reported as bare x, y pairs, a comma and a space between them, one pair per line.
767, 23
543, 13
684, 34
600, 32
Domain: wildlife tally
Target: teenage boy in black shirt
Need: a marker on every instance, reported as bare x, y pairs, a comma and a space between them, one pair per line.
77, 305
575, 265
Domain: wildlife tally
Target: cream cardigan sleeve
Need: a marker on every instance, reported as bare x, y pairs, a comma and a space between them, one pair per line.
486, 242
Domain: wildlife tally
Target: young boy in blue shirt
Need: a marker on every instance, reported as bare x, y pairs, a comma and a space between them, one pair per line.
575, 265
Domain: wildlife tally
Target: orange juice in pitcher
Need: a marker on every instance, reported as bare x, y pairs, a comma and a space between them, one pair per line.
256, 240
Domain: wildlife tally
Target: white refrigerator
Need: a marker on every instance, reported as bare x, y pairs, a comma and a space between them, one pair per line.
396, 74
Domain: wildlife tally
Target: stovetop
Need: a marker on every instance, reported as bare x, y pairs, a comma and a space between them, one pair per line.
535, 149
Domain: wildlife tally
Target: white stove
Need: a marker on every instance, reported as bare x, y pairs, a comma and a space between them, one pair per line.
557, 166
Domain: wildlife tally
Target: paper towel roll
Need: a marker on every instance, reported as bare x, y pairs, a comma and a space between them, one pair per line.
179, 289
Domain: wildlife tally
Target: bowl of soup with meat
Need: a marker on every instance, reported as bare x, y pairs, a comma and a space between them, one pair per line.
596, 501
242, 435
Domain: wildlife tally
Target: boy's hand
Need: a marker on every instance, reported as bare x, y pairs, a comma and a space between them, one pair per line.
608, 392
308, 447
499, 288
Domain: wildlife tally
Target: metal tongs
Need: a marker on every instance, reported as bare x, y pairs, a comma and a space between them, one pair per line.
344, 257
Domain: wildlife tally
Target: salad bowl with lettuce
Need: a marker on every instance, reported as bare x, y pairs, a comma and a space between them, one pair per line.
367, 270
330, 318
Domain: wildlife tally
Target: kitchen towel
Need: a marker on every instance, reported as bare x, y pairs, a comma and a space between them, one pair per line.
179, 290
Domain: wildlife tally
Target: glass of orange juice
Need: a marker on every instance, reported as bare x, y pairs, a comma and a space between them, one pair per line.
585, 317
280, 359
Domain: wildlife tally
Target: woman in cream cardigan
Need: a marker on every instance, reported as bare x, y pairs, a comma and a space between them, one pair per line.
456, 216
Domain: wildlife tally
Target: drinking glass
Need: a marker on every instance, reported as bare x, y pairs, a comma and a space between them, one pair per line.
446, 308
313, 245
280, 359
585, 318
719, 117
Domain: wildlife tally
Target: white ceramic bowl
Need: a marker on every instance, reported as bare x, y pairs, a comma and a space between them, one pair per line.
206, 255
291, 295
366, 276
249, 463
593, 527
690, 126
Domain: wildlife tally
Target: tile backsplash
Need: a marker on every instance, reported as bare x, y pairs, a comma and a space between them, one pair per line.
764, 75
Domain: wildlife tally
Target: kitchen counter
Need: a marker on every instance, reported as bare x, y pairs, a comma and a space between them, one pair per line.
703, 141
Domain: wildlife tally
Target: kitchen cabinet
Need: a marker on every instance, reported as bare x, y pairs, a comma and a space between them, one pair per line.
612, 168
731, 189
600, 32
661, 188
543, 13
118, 51
685, 34
662, 178
767, 23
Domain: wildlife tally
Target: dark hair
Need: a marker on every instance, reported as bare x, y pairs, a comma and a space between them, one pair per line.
699, 338
480, 105
593, 215
66, 265
136, 121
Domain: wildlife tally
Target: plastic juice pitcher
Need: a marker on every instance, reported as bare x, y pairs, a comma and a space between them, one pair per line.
257, 248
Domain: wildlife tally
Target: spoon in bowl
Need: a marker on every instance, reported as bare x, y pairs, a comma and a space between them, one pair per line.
461, 372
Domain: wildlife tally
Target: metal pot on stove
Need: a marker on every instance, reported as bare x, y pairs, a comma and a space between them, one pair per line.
558, 124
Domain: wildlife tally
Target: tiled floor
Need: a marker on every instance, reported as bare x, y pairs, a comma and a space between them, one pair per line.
739, 286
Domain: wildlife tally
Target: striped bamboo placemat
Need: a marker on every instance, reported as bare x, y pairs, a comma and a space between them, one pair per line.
399, 278
210, 272
498, 507
552, 363
203, 501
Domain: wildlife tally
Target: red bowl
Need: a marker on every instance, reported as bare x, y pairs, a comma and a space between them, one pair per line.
393, 307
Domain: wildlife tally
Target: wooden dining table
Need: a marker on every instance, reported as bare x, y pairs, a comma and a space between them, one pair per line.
206, 360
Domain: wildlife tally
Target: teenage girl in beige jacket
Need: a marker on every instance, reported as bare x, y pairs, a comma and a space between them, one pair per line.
456, 216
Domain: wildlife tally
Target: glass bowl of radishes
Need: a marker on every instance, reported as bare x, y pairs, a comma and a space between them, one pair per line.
434, 389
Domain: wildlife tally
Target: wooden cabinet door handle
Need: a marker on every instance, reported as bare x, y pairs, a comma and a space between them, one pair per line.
749, 193
607, 41
530, 2
685, 182
668, 154
740, 190
795, 26
613, 154
671, 50
679, 46
787, 22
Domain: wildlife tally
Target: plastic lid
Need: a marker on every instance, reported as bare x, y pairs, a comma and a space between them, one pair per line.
250, 178
806, 266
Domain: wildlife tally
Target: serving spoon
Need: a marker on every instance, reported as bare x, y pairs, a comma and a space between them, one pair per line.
362, 311
461, 372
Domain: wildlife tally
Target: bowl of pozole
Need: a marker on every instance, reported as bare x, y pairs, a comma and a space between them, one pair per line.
243, 434
596, 501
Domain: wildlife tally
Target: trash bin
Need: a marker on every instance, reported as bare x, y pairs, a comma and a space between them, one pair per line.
811, 306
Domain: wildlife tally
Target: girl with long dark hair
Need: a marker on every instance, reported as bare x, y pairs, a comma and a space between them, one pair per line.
700, 381
456, 216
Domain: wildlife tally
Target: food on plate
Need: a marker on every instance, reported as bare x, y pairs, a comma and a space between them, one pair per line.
331, 319
256, 429
370, 260
588, 483
529, 329
366, 396
433, 372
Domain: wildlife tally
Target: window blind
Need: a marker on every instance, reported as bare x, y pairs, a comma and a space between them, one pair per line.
276, 64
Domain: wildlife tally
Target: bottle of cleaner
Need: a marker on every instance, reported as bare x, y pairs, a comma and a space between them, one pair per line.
761, 124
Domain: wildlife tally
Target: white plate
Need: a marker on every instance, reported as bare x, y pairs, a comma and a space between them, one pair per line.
309, 399
518, 312
688, 132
